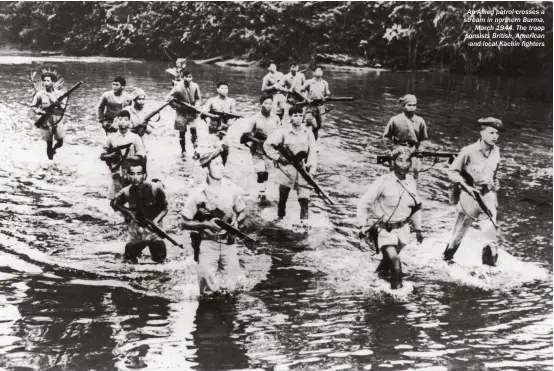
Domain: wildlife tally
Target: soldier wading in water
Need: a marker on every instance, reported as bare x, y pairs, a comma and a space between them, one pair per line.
475, 174
394, 200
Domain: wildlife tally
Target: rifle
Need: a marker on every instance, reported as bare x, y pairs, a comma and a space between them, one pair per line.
203, 215
193, 108
296, 161
118, 150
386, 159
476, 196
146, 223
226, 115
294, 83
40, 121
137, 129
319, 102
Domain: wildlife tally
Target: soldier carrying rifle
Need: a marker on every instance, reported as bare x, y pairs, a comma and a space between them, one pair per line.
475, 174
146, 200
406, 130
394, 200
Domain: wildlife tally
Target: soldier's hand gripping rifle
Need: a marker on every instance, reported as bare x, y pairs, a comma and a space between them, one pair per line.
297, 162
226, 115
57, 104
145, 223
476, 195
217, 216
139, 129
197, 110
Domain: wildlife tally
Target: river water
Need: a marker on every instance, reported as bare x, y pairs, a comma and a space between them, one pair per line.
67, 302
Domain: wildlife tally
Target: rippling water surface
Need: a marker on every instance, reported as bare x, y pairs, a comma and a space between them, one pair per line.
67, 302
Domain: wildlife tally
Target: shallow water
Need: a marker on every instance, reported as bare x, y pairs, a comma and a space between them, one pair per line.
68, 303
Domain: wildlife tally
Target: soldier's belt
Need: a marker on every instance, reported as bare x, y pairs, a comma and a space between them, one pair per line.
390, 226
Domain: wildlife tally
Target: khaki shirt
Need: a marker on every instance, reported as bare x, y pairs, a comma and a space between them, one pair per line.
227, 198
405, 131
482, 167
190, 95
43, 99
263, 125
118, 140
296, 141
271, 79
288, 80
317, 89
226, 105
388, 199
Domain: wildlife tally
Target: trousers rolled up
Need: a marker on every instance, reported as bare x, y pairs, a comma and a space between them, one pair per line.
218, 266
469, 211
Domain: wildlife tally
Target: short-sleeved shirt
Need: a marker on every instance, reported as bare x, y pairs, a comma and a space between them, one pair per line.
110, 105
298, 80
389, 199
188, 94
474, 160
227, 198
317, 89
43, 99
296, 141
271, 79
148, 198
264, 125
401, 130
226, 105
118, 140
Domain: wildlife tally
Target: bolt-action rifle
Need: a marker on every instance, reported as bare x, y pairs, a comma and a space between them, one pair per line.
57, 104
298, 163
139, 129
145, 223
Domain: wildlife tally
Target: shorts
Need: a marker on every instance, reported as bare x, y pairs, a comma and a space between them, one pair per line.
396, 237
49, 133
261, 163
287, 176
182, 121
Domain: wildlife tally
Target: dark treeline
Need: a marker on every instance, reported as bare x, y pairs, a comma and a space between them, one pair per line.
400, 35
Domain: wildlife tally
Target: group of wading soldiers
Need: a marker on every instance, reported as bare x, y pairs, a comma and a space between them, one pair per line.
384, 212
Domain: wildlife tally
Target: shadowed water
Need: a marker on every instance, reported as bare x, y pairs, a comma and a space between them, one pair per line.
68, 302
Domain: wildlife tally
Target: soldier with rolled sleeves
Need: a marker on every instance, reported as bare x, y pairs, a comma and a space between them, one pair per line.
53, 126
146, 199
122, 150
407, 130
394, 200
187, 91
264, 123
218, 251
297, 139
480, 161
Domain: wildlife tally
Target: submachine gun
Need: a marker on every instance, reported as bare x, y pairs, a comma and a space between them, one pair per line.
203, 214
57, 104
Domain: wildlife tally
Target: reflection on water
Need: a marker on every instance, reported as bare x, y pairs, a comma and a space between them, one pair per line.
68, 303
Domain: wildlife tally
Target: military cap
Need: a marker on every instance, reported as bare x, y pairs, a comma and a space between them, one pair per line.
492, 122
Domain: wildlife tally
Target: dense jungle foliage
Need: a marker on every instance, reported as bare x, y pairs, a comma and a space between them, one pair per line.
398, 35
